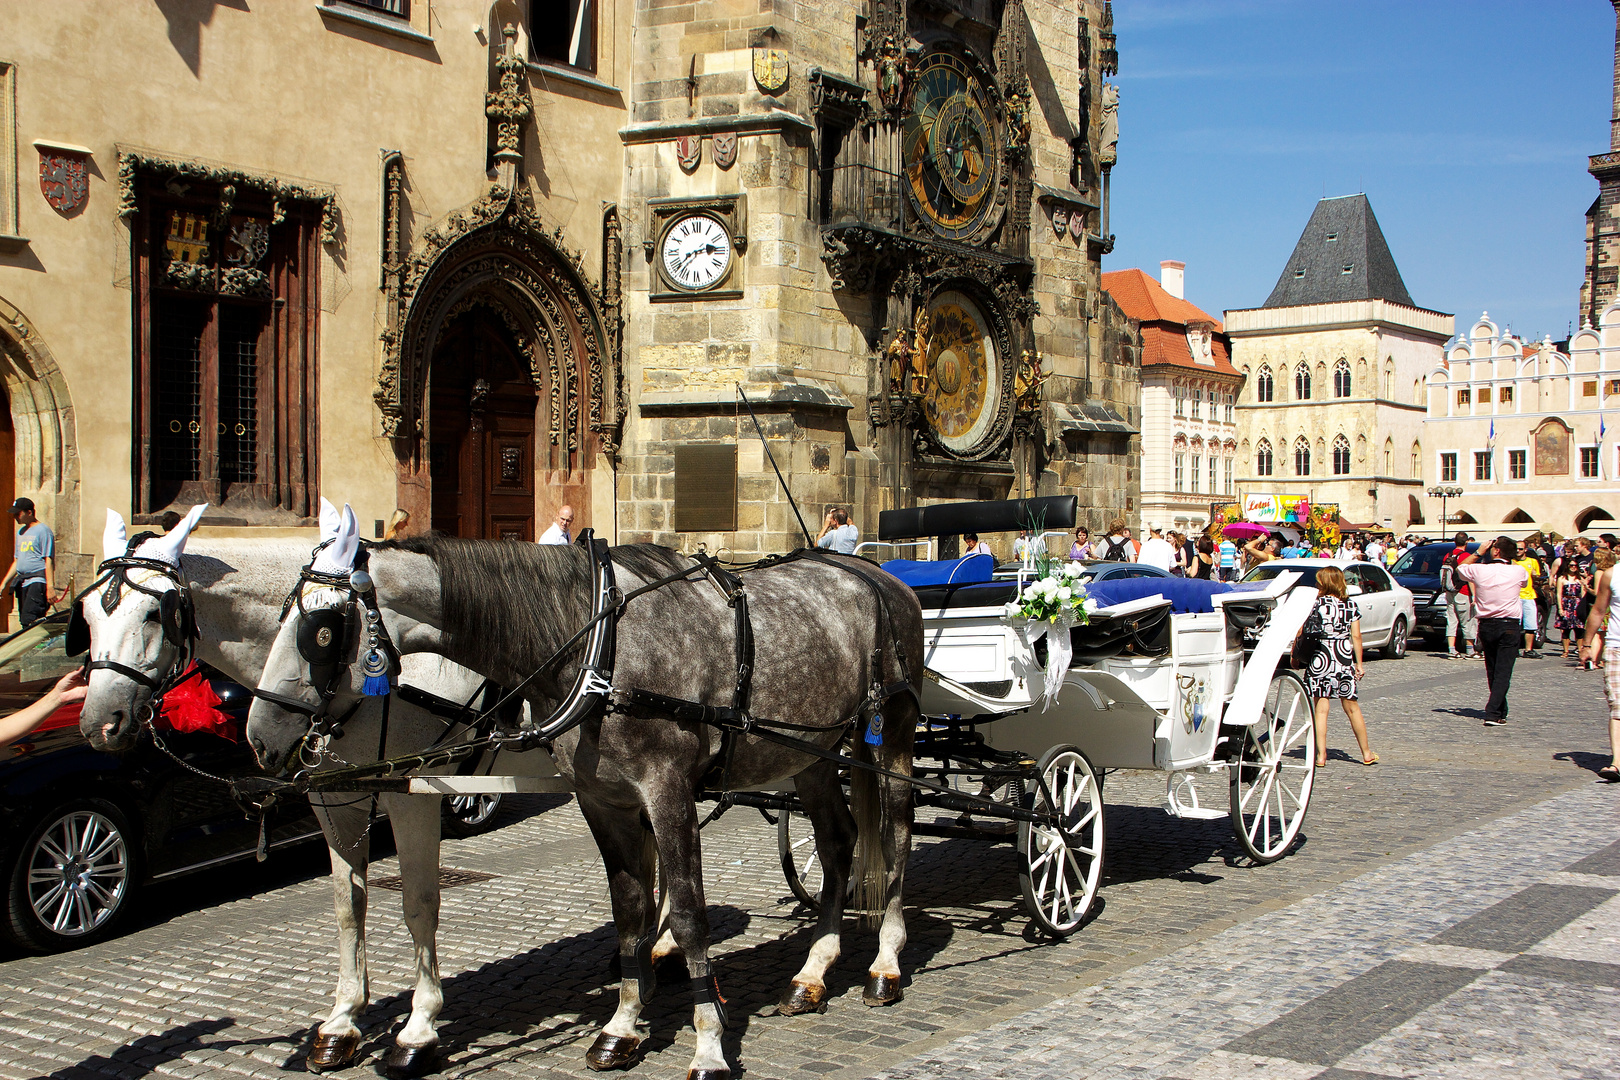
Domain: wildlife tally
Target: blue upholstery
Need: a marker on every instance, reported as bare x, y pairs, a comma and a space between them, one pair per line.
1186, 595
972, 570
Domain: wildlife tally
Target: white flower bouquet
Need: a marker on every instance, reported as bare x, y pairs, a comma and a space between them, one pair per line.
1049, 606
1058, 599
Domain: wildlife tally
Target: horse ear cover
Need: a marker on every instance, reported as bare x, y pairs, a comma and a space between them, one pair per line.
78, 631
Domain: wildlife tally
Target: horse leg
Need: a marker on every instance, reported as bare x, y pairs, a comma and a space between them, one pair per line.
628, 858
883, 978
822, 794
669, 805
415, 819
665, 950
337, 1039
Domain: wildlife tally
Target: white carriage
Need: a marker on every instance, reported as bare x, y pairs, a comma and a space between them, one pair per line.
1180, 677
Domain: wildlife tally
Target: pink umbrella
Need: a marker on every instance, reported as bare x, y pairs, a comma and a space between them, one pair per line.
1239, 530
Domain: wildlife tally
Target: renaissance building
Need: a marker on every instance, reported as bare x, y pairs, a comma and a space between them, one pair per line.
1334, 365
477, 260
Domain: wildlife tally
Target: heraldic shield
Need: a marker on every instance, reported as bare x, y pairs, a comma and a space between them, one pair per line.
64, 181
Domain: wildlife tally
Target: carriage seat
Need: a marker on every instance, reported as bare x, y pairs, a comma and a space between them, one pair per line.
972, 570
1186, 595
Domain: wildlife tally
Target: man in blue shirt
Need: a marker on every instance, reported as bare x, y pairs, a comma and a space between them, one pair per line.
33, 568
1228, 559
837, 534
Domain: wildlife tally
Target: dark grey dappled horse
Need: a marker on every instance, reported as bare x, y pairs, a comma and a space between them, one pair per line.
503, 609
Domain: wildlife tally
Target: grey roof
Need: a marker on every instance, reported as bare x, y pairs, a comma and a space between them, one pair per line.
1355, 264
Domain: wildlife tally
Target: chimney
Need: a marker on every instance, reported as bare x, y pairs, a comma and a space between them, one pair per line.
1173, 276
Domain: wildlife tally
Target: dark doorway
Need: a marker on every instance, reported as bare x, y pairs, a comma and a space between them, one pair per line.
481, 432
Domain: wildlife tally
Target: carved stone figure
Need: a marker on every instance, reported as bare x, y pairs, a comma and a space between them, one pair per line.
1018, 108
1060, 218
891, 67
919, 352
1027, 382
1109, 151
898, 357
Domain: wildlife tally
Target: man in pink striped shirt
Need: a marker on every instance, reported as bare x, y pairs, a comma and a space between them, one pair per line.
1496, 586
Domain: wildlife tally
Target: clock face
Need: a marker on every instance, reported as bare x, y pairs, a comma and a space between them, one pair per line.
696, 252
964, 374
950, 147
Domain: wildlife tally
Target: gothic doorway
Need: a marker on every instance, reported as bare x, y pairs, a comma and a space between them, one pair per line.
481, 431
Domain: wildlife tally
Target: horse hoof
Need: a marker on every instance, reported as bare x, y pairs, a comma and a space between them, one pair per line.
708, 1074
332, 1051
802, 998
881, 990
612, 1051
411, 1061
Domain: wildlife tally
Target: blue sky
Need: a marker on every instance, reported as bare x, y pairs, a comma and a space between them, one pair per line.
1468, 125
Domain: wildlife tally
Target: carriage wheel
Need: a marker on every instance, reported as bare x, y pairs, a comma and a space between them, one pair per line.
1271, 781
801, 864
1060, 864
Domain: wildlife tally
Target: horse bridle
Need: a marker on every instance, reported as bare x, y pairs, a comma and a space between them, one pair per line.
327, 635
176, 614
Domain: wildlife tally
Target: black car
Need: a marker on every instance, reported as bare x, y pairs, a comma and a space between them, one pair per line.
83, 830
1419, 570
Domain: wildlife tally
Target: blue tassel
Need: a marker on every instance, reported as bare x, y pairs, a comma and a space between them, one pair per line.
375, 668
874, 730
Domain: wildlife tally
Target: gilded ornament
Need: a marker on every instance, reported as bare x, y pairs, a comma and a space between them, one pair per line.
771, 70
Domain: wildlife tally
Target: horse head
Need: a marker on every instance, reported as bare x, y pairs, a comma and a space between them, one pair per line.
317, 670
140, 626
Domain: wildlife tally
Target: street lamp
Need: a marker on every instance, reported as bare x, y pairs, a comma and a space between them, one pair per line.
1443, 493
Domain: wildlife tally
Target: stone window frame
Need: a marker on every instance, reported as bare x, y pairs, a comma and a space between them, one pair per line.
1265, 461
1302, 457
1342, 383
1593, 455
1448, 467
11, 239
286, 469
1518, 459
1484, 465
1302, 382
1341, 455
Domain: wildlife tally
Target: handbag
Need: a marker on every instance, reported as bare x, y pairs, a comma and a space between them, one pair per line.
1305, 648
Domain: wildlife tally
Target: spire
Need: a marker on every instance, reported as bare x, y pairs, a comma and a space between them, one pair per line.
1614, 122
1341, 255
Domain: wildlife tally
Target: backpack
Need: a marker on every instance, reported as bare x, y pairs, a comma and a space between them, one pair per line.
1116, 551
1448, 574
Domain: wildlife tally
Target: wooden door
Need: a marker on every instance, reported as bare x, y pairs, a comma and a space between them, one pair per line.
481, 434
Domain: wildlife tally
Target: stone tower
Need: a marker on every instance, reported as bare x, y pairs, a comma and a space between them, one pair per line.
1603, 218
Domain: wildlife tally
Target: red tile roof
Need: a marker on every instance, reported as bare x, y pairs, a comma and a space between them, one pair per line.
1164, 320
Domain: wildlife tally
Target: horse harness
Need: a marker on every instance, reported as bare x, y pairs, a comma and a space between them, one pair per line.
176, 614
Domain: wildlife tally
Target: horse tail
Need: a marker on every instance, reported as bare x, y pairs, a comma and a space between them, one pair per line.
867, 804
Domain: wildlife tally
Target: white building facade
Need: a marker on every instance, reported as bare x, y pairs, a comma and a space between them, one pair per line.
1520, 430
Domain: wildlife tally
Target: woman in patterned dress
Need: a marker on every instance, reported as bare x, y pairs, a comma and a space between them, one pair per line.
1334, 625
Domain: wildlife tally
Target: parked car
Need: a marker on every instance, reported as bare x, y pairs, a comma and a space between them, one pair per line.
1419, 571
82, 831
1385, 605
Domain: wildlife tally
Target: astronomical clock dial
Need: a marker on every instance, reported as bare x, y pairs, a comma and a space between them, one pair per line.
963, 393
696, 252
949, 145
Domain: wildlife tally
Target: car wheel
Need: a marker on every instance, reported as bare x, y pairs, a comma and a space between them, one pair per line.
1396, 649
470, 815
73, 879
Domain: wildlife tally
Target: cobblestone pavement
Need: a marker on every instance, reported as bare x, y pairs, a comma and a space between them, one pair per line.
1451, 912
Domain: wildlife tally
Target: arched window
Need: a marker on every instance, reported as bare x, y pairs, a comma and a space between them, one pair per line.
1417, 462
1341, 378
1341, 456
1264, 388
1262, 459
1302, 456
1302, 383
1389, 457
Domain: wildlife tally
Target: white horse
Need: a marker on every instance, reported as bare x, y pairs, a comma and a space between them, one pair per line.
237, 589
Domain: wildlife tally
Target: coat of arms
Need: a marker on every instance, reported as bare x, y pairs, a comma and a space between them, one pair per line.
1060, 219
725, 149
64, 181
246, 241
771, 70
689, 151
1077, 223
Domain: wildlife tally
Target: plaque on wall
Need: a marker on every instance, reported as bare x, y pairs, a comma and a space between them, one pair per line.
725, 149
771, 70
689, 151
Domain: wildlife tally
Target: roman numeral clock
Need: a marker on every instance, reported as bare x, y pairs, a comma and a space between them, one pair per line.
695, 246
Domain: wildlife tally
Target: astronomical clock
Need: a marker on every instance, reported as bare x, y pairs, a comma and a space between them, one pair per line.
950, 147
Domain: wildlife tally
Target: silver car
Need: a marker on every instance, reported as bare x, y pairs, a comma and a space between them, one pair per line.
1387, 608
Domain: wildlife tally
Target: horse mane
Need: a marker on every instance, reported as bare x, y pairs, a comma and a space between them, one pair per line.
520, 601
